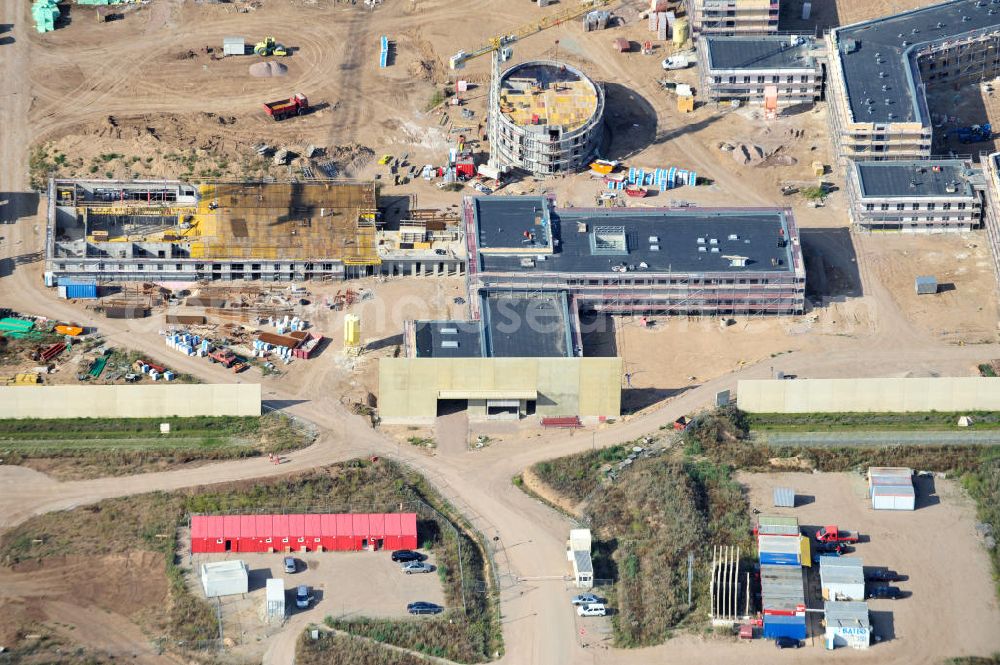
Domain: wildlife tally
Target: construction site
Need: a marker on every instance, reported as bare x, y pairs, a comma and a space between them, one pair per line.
475, 243
134, 231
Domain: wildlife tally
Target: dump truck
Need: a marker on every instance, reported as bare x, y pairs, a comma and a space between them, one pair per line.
287, 108
831, 534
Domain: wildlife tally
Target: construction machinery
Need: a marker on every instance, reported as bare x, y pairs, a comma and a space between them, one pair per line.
286, 108
973, 134
268, 47
494, 44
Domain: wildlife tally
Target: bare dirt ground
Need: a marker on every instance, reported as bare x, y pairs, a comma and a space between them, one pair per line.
117, 590
343, 585
62, 87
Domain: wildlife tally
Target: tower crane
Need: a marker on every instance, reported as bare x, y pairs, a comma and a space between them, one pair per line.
497, 42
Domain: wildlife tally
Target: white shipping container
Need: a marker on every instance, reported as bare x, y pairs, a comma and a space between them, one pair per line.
893, 497
274, 601
225, 578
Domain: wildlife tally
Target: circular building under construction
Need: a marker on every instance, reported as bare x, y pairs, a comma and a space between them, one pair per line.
547, 118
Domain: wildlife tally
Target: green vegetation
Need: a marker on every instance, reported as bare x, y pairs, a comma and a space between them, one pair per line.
93, 447
149, 522
815, 193
987, 369
576, 476
337, 649
983, 485
436, 100
421, 442
975, 660
846, 422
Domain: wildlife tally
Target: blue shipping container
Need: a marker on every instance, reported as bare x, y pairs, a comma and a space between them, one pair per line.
80, 290
784, 626
779, 558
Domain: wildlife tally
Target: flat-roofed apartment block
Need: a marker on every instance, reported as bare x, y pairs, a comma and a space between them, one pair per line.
172, 231
879, 72
991, 217
733, 17
742, 68
521, 356
914, 195
691, 261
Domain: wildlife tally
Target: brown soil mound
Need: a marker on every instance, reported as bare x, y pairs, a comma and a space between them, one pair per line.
268, 69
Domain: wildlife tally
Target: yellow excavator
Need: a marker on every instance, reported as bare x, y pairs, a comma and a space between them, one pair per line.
268, 47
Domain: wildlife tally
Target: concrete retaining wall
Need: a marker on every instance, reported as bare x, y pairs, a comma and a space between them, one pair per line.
154, 401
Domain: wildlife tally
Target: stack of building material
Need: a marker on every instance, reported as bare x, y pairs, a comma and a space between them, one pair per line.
842, 578
660, 178
891, 488
662, 26
45, 13
383, 57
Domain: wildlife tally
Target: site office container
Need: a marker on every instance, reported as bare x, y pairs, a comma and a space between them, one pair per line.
247, 541
393, 532
408, 531
376, 531
345, 531
296, 532
328, 526
359, 532
313, 532
785, 626
279, 531
263, 530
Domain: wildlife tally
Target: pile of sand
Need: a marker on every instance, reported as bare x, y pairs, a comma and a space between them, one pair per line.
268, 69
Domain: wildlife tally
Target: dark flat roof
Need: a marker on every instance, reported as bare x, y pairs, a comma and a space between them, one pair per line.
449, 339
502, 221
513, 325
764, 52
665, 240
527, 325
895, 39
914, 178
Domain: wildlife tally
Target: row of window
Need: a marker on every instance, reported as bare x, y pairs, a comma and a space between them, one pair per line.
915, 206
806, 78
680, 281
201, 267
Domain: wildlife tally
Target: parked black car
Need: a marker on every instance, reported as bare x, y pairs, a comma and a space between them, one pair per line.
787, 643
882, 575
420, 607
832, 548
405, 556
891, 592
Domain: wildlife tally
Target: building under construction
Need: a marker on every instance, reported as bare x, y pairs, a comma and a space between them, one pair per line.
733, 17
753, 69
173, 231
547, 117
880, 70
991, 217
914, 196
690, 261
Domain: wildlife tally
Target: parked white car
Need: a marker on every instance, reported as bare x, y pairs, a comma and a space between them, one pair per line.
677, 62
416, 567
592, 610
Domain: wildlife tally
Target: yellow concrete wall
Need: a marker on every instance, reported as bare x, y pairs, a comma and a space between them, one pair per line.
869, 395
408, 387
152, 401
